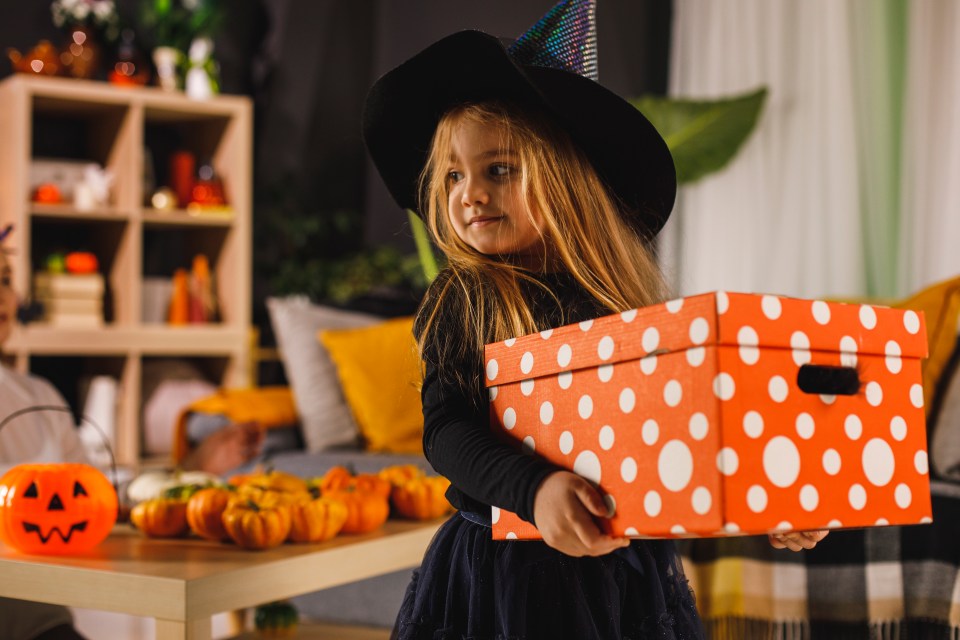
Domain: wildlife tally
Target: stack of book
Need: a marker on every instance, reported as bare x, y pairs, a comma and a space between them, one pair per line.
70, 299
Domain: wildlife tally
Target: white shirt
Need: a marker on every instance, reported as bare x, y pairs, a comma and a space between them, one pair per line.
42, 436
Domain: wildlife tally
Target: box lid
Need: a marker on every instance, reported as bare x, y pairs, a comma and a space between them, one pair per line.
744, 320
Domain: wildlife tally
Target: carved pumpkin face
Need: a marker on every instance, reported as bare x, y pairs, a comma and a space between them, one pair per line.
55, 508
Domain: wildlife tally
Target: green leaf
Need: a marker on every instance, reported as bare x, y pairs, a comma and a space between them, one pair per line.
428, 259
703, 135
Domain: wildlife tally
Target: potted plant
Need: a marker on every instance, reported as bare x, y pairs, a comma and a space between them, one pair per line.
89, 23
174, 25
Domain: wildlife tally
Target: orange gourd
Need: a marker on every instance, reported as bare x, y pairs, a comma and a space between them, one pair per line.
399, 473
316, 520
257, 526
339, 478
81, 262
271, 480
422, 498
55, 508
205, 512
366, 511
161, 517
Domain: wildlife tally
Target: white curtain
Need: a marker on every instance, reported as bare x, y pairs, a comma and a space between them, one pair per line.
930, 238
850, 185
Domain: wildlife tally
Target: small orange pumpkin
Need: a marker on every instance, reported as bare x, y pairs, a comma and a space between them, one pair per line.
316, 520
55, 508
257, 526
271, 480
422, 498
366, 511
81, 262
161, 517
339, 478
205, 512
399, 473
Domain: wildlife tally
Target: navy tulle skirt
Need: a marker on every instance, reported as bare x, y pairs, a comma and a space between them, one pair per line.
471, 587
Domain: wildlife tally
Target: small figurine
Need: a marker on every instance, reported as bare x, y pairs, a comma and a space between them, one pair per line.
201, 81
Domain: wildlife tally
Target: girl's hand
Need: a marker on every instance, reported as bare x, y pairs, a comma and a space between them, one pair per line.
797, 540
564, 508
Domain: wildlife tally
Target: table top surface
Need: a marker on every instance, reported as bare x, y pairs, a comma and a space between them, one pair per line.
187, 578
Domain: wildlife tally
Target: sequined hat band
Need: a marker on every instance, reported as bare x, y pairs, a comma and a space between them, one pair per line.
565, 38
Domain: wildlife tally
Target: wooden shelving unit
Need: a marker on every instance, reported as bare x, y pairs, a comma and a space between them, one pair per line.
117, 127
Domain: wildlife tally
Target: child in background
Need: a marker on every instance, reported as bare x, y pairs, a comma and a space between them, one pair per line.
545, 191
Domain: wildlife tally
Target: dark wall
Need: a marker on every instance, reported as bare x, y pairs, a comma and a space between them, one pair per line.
308, 64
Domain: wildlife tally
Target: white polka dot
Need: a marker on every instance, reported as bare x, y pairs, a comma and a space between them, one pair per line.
757, 498
781, 461
495, 514
528, 446
546, 333
857, 496
699, 331
510, 535
611, 505
801, 357
650, 432
605, 372
652, 503
696, 355
853, 427
546, 412
628, 400
898, 428
903, 496
723, 302
699, 426
911, 321
526, 387
748, 340
672, 393
648, 364
874, 394
701, 500
587, 465
868, 317
727, 461
565, 379
509, 418
606, 437
629, 316
677, 530
777, 388
747, 336
827, 399
526, 362
723, 386
585, 407
509, 342
753, 424
731, 527
566, 442
809, 497
492, 369
771, 307
892, 359
494, 391
564, 355
675, 465
675, 305
585, 325
821, 312
831, 462
916, 395
834, 524
631, 532
848, 351
650, 339
805, 426
628, 469
800, 344
605, 348
882, 522
920, 462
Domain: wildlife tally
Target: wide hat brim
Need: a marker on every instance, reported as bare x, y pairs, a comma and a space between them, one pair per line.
404, 106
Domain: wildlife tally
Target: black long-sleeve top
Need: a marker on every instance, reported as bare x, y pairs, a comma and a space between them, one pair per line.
457, 438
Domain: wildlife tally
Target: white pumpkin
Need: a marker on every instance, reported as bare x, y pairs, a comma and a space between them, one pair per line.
152, 484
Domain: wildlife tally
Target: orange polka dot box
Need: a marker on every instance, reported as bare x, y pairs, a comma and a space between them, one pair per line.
725, 414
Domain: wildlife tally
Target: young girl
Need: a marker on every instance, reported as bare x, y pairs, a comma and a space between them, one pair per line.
544, 191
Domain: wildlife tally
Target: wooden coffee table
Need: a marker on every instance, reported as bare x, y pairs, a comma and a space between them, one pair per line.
182, 583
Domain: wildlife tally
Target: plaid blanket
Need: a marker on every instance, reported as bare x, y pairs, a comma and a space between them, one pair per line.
882, 583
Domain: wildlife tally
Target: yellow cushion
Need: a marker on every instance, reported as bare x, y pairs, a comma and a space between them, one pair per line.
940, 304
380, 375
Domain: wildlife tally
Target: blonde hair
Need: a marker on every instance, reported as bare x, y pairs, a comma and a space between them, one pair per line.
584, 232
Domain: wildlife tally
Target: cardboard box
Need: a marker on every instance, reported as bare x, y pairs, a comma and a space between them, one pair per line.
725, 414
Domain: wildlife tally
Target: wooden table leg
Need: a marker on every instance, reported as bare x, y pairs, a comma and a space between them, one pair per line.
178, 630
